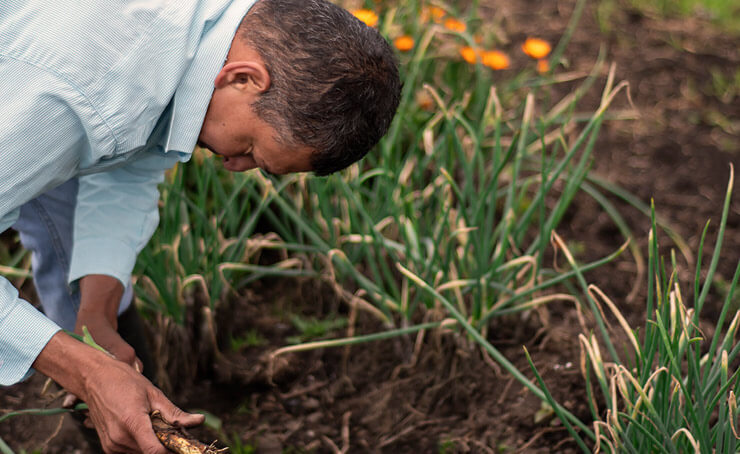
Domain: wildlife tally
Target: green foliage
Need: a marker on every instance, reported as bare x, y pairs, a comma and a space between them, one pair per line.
462, 194
725, 87
251, 338
675, 390
446, 446
206, 241
238, 447
448, 219
313, 328
724, 13
15, 261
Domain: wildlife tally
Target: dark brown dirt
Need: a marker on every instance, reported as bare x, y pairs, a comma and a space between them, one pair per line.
435, 393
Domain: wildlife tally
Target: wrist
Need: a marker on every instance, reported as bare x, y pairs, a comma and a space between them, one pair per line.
70, 363
100, 297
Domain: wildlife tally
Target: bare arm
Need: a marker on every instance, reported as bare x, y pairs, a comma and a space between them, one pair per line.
120, 399
100, 296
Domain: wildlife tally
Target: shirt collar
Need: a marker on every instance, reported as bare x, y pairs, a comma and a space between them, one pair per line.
193, 94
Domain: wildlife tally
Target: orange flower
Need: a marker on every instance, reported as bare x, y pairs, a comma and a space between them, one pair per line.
404, 43
455, 25
437, 13
469, 54
543, 65
367, 16
536, 48
495, 59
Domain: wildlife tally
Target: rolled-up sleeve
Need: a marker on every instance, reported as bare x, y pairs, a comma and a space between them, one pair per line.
24, 330
116, 214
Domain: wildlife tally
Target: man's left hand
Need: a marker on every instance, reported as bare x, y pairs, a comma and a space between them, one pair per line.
100, 296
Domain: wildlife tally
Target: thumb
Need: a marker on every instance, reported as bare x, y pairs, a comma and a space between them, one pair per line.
177, 417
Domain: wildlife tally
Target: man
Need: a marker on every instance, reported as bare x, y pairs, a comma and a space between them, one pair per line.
99, 99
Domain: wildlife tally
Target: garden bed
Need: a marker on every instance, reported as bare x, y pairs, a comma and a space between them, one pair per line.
446, 396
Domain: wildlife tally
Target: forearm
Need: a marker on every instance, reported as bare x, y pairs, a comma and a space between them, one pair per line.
120, 399
100, 296
70, 363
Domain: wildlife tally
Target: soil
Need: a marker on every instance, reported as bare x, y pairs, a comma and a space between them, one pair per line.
435, 393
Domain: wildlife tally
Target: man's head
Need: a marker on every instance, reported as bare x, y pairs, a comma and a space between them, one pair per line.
321, 83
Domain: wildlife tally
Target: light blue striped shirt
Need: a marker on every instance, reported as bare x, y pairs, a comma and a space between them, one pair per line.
112, 92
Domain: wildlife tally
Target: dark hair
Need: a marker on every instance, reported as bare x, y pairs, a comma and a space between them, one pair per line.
335, 85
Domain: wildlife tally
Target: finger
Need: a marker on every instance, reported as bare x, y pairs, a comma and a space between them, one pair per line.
144, 435
88, 423
175, 416
124, 352
111, 447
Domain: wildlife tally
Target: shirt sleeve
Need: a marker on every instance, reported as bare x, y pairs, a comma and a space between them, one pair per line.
116, 214
32, 160
24, 330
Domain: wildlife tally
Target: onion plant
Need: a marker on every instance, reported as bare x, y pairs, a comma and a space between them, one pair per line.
446, 223
206, 238
463, 194
673, 388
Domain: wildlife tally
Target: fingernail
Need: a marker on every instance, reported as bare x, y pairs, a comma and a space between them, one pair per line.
69, 400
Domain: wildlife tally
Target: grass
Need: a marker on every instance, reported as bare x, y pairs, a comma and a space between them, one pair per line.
251, 338
312, 328
725, 14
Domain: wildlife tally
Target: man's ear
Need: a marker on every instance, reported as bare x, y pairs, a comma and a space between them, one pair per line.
244, 75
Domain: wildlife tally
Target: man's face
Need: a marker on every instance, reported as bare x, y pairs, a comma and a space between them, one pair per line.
231, 128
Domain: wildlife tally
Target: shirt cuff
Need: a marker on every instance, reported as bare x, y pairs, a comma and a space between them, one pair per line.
102, 256
25, 332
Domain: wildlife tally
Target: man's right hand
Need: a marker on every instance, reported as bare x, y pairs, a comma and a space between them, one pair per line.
120, 399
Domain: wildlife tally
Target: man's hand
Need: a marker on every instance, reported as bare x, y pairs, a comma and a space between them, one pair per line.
120, 399
100, 297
